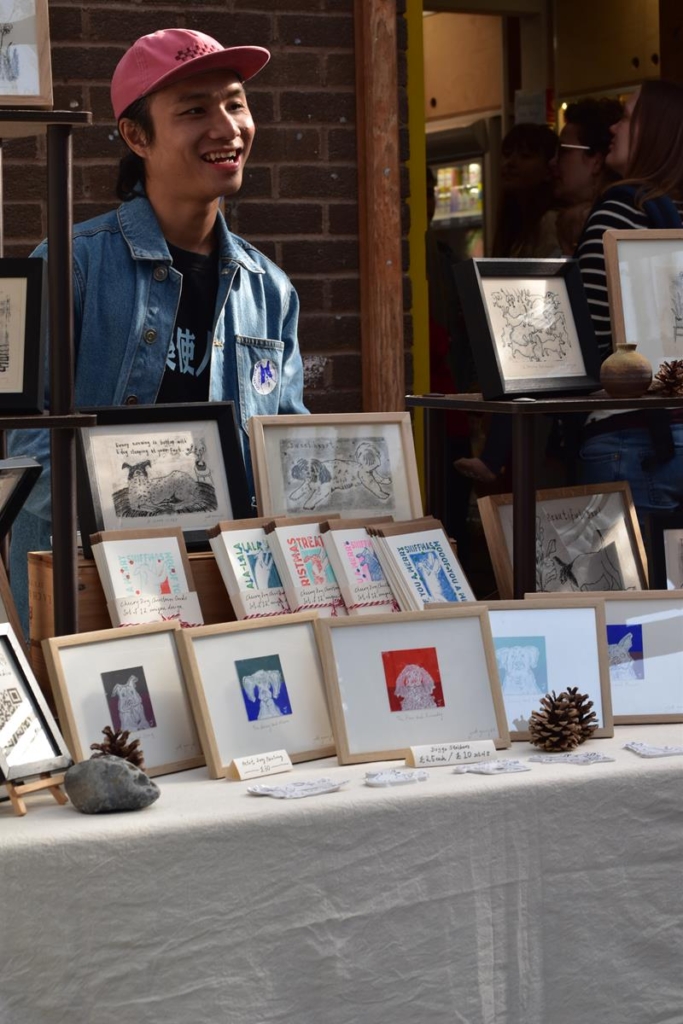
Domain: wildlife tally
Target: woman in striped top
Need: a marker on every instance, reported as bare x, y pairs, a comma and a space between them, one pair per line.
646, 449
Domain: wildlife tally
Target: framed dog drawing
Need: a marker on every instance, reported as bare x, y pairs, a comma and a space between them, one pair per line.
546, 645
147, 466
354, 464
587, 539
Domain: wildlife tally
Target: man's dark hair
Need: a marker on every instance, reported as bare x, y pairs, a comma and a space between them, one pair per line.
593, 119
131, 179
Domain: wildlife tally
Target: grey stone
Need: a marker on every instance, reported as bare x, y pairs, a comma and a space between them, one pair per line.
106, 784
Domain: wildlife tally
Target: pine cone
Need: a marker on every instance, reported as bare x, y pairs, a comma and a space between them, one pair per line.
565, 721
669, 378
116, 745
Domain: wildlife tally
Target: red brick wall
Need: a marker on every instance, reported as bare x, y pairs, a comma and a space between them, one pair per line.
298, 202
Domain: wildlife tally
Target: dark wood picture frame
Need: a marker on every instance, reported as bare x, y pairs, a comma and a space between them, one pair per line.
29, 394
61, 758
656, 525
90, 511
29, 470
486, 344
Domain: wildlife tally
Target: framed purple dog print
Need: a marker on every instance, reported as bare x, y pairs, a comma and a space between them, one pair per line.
355, 464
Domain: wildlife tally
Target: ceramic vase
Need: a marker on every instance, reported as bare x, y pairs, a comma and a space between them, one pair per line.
626, 373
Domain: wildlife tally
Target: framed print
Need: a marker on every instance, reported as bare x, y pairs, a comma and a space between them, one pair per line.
549, 645
645, 287
587, 538
162, 465
664, 533
412, 678
257, 686
645, 653
354, 464
23, 321
25, 70
30, 741
129, 678
529, 327
8, 609
17, 479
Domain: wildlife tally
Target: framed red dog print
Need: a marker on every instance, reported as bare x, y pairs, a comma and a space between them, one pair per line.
354, 464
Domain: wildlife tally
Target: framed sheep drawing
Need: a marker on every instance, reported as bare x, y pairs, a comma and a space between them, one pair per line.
356, 465
25, 68
161, 465
529, 327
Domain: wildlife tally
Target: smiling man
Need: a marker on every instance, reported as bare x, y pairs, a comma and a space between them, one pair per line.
169, 305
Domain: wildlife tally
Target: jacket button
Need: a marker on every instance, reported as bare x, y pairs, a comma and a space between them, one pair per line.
132, 400
150, 336
160, 273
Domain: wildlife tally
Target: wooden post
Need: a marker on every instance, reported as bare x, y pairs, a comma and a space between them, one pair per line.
379, 202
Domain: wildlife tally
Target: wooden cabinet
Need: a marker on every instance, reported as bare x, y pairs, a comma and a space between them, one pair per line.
605, 44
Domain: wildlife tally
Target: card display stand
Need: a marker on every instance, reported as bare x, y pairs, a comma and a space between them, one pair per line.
17, 791
92, 606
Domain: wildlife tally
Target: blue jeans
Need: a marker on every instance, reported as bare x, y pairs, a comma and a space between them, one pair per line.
618, 455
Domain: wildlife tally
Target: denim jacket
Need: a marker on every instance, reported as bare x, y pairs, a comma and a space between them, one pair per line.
126, 295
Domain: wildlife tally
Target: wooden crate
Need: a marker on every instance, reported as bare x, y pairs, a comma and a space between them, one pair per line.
92, 607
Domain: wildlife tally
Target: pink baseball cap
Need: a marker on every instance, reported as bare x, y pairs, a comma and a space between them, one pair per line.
172, 54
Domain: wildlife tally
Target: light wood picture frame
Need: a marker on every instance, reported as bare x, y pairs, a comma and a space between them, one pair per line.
257, 686
529, 326
645, 654
25, 66
30, 740
587, 538
128, 678
357, 465
411, 678
550, 645
644, 270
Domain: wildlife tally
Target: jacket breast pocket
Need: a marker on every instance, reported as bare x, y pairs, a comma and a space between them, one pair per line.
259, 376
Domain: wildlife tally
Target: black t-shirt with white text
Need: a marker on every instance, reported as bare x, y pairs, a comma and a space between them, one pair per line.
186, 377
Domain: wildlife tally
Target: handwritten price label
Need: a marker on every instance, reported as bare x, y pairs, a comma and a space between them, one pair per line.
257, 765
435, 754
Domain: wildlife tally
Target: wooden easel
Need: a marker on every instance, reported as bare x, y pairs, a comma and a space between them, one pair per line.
46, 781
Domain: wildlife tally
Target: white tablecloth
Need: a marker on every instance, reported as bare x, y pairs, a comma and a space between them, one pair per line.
550, 897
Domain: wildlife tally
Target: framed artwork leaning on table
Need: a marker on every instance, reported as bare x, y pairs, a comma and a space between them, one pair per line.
355, 464
645, 654
23, 324
129, 679
147, 466
587, 538
548, 645
529, 327
30, 740
257, 686
25, 69
645, 287
664, 537
411, 678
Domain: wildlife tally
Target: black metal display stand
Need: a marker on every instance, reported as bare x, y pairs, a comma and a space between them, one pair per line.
523, 413
62, 420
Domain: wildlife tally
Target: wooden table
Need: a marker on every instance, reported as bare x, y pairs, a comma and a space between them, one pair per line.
523, 412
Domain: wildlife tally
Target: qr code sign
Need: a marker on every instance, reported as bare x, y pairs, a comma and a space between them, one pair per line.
10, 700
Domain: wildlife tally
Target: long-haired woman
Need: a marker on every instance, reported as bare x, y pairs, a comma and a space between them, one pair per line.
644, 448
